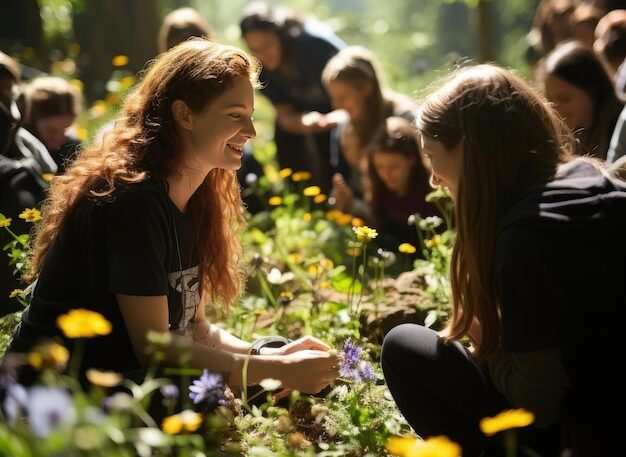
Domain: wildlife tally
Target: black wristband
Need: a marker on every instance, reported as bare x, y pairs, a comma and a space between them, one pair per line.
268, 341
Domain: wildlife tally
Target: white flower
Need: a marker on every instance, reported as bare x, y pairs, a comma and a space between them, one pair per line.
270, 384
277, 278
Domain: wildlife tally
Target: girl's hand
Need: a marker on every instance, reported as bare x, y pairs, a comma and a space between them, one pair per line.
302, 344
308, 371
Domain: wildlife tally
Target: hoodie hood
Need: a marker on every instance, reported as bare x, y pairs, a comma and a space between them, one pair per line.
578, 196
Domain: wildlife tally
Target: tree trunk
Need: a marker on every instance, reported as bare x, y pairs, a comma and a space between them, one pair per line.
106, 28
485, 31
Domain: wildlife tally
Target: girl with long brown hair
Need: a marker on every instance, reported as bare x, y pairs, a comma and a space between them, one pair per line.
143, 227
354, 82
525, 275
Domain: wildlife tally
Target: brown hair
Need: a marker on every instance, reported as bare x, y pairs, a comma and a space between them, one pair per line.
180, 25
578, 65
610, 41
357, 66
398, 137
144, 140
52, 96
513, 142
552, 20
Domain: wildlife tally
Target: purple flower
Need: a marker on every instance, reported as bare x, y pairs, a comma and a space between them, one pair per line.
48, 409
209, 388
15, 401
169, 392
352, 366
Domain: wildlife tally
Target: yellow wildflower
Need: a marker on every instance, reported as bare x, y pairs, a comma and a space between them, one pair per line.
104, 378
321, 198
295, 257
357, 222
407, 248
127, 82
49, 355
307, 217
433, 242
275, 200
82, 133
77, 83
48, 177
315, 269
301, 176
31, 215
506, 420
4, 221
344, 219
187, 420
411, 446
16, 293
120, 61
285, 173
311, 191
83, 323
354, 251
333, 214
365, 234
98, 108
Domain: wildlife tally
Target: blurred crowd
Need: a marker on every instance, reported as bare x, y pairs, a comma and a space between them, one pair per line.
335, 117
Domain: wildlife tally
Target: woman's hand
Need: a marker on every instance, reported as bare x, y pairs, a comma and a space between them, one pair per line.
302, 344
341, 193
308, 371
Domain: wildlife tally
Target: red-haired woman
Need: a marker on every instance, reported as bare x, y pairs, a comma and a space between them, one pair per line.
143, 227
527, 273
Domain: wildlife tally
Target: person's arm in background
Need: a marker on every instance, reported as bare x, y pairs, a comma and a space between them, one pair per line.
293, 121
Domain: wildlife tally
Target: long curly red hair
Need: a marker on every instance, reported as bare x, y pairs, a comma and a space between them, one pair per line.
144, 140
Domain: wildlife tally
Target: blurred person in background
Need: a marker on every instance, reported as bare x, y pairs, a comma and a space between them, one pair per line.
583, 94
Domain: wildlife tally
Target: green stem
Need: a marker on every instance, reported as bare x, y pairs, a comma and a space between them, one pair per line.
76, 357
363, 280
351, 288
510, 443
14, 236
266, 289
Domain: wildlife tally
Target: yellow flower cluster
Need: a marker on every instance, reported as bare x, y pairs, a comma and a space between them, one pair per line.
104, 378
4, 221
407, 248
365, 234
49, 355
299, 176
31, 215
187, 420
339, 216
83, 323
411, 446
275, 201
506, 420
285, 173
311, 191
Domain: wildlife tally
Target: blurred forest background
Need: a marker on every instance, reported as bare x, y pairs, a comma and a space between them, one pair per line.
415, 39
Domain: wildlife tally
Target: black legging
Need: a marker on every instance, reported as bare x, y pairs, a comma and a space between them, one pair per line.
438, 387
441, 390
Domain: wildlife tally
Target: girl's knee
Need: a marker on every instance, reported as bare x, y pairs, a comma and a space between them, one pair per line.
405, 344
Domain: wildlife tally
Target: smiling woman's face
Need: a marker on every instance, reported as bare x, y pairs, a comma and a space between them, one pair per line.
216, 136
445, 164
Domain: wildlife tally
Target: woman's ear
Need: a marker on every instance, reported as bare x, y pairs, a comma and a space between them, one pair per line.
182, 114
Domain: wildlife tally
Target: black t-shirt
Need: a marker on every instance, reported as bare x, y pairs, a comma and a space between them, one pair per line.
559, 267
136, 243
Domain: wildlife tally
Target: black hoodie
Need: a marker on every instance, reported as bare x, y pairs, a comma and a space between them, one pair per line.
559, 267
